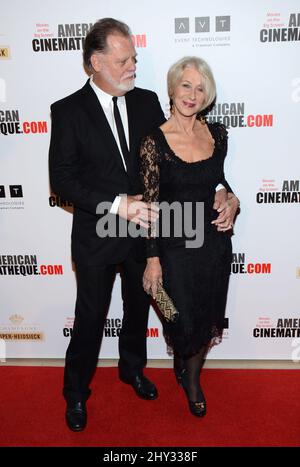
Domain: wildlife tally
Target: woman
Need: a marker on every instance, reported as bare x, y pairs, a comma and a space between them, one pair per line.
182, 161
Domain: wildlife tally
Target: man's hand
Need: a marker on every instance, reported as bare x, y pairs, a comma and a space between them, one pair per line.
221, 196
226, 205
137, 211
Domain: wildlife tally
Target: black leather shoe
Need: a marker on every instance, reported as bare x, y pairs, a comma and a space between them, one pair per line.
142, 386
76, 416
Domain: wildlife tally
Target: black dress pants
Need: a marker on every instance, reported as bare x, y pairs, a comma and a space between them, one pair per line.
94, 287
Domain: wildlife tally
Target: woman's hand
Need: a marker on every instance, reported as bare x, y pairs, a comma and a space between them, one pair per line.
152, 276
227, 212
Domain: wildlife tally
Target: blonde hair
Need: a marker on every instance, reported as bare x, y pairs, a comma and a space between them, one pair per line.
177, 69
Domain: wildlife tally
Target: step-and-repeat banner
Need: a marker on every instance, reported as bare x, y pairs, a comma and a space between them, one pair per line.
253, 49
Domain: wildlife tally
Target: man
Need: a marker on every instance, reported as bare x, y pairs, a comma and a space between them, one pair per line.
90, 163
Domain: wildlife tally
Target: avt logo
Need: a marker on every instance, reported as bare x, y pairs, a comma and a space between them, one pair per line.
202, 24
14, 190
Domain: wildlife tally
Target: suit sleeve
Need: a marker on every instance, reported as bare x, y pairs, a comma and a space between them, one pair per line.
158, 116
65, 165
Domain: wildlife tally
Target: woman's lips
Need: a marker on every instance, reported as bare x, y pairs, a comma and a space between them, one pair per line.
189, 104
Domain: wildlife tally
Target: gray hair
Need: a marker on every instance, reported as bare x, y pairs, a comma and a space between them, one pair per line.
176, 71
96, 39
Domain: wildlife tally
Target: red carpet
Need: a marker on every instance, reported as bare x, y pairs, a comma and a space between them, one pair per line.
244, 408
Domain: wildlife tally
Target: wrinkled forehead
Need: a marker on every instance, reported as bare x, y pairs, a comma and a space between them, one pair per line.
119, 44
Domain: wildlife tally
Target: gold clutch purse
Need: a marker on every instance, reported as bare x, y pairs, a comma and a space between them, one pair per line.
166, 305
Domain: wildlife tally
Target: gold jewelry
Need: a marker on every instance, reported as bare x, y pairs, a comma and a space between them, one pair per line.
202, 120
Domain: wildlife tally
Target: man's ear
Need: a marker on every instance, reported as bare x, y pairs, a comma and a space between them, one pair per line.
96, 62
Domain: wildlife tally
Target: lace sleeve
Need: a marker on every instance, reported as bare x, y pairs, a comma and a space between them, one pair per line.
222, 139
149, 169
222, 142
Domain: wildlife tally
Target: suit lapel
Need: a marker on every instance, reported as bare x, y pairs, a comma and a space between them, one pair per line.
94, 109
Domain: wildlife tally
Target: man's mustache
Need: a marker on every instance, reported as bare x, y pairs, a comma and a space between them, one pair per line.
131, 76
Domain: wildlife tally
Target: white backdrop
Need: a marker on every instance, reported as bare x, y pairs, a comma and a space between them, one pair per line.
253, 49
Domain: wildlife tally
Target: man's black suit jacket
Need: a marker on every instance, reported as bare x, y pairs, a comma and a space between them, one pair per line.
86, 167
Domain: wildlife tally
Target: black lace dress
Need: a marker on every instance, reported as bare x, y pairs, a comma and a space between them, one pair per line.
195, 278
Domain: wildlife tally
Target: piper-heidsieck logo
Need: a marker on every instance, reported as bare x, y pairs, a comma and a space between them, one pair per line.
4, 52
11, 124
68, 37
203, 31
239, 265
17, 329
283, 328
285, 192
278, 29
27, 265
112, 328
232, 115
11, 197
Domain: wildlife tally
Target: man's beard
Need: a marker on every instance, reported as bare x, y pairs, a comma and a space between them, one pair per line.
127, 86
124, 86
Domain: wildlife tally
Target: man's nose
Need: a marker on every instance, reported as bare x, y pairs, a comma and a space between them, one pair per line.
132, 65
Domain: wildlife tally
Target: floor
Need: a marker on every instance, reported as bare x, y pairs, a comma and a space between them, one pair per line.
165, 363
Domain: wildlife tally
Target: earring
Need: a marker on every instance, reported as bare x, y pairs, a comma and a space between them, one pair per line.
202, 120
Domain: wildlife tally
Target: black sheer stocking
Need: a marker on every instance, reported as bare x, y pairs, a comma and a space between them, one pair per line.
191, 376
179, 368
